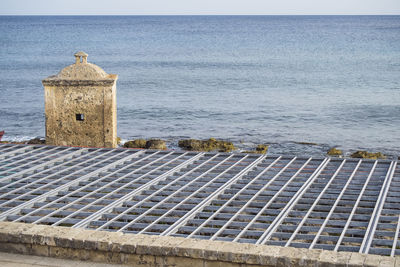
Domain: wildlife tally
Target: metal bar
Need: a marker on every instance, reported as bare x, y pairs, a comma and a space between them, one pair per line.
266, 235
9, 177
369, 235
334, 205
56, 190
3, 155
396, 238
98, 214
355, 207
158, 191
293, 235
85, 187
38, 180
32, 155
6, 147
340, 205
248, 202
174, 227
4, 214
105, 196
30, 162
164, 200
271, 200
27, 155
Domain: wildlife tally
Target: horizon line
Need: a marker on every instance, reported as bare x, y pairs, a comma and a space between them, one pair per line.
200, 14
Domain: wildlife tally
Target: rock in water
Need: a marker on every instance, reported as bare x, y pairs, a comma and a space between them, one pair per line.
368, 155
138, 143
36, 141
334, 152
156, 144
262, 149
206, 145
190, 144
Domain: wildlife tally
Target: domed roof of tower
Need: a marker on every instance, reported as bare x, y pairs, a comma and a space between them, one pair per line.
82, 70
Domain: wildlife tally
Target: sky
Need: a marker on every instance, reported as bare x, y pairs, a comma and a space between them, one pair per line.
199, 7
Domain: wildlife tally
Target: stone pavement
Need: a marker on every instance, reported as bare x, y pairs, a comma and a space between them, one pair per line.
19, 260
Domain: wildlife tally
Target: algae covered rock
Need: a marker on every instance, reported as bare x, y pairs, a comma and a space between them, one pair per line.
156, 144
211, 144
368, 155
14, 142
260, 149
191, 144
36, 141
138, 143
150, 144
334, 152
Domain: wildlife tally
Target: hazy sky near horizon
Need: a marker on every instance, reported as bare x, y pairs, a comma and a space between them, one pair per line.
199, 7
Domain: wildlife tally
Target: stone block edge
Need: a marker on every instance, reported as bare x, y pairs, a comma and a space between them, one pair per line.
139, 244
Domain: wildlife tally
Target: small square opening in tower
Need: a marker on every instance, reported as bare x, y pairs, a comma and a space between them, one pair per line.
80, 117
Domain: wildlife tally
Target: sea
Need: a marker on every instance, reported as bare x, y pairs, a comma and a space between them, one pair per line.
302, 84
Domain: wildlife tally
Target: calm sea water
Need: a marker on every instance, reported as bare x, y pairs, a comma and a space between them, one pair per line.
329, 80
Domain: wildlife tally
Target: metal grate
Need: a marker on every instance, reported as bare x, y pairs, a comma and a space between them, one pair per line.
329, 203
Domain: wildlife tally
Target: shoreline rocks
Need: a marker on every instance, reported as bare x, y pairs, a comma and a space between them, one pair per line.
211, 144
367, 155
260, 149
150, 144
335, 152
156, 144
137, 143
36, 141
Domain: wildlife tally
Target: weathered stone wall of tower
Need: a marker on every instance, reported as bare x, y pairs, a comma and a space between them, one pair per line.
80, 107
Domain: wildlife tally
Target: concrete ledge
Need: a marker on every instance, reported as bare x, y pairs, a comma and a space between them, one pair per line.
146, 250
13, 260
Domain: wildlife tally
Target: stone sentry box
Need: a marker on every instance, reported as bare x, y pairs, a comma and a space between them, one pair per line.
80, 106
